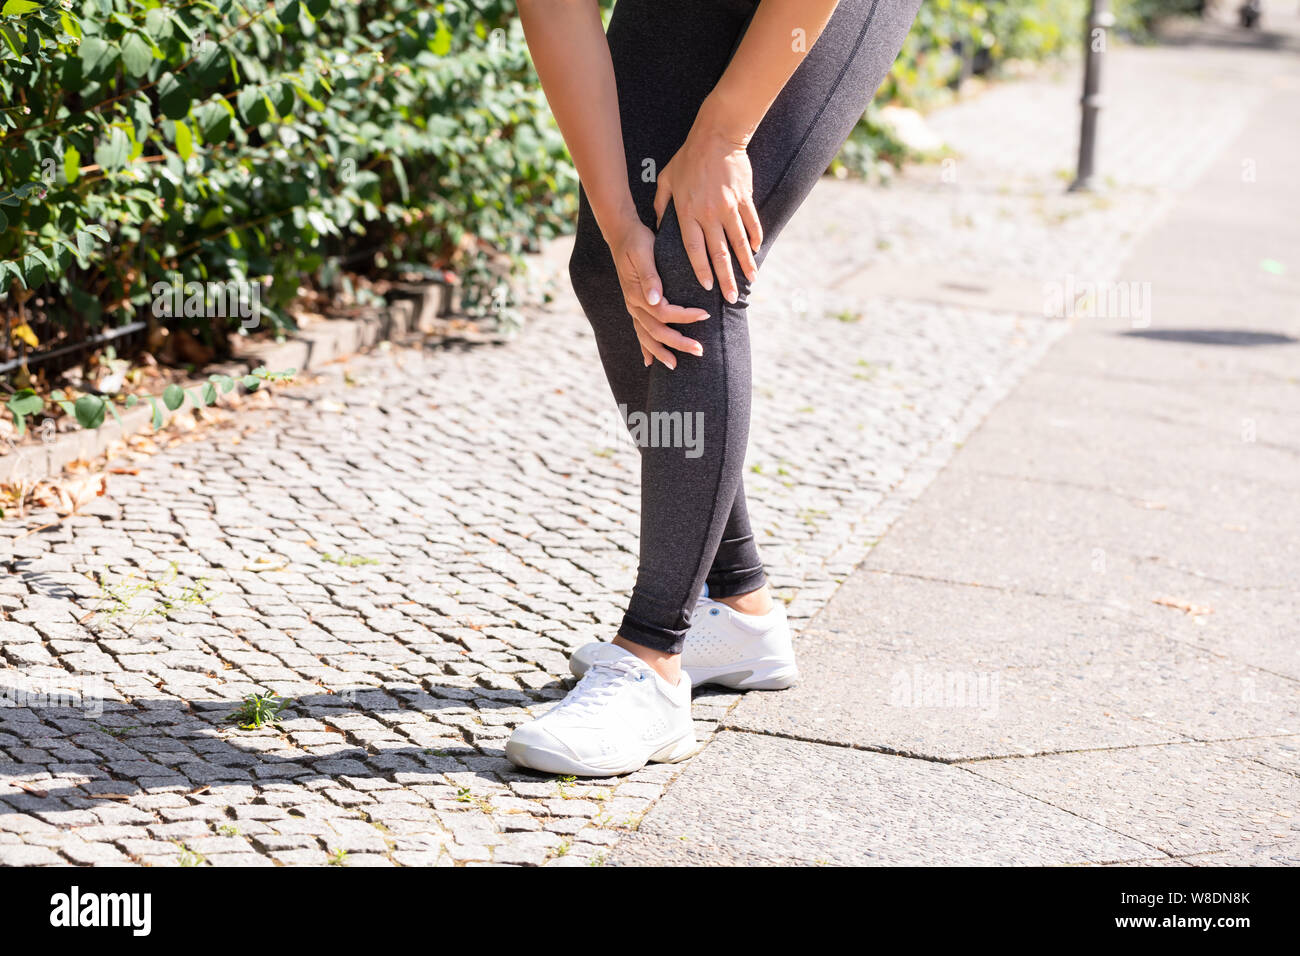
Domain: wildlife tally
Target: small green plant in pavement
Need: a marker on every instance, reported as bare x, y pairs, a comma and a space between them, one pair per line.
188, 857
258, 710
120, 596
348, 560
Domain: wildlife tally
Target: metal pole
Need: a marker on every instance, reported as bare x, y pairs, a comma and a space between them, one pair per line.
1094, 48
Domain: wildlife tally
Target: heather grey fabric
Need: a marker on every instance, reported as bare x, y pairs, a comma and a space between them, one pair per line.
668, 55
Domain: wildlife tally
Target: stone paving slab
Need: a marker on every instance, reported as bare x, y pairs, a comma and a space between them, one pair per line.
901, 618
1184, 799
1151, 465
1280, 753
1088, 544
751, 797
882, 668
1064, 428
1278, 854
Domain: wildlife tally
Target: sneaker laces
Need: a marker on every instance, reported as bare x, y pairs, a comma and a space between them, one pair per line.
598, 685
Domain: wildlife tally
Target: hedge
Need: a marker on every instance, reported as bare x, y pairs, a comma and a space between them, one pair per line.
273, 141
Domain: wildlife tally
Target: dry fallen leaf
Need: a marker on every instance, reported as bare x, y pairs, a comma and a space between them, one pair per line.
268, 562
1185, 606
75, 495
34, 791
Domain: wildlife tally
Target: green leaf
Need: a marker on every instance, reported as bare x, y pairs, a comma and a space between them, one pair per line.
209, 394
184, 141
85, 243
282, 98
173, 397
441, 45
142, 116
14, 8
213, 120
399, 171
254, 105
157, 419
97, 55
90, 410
252, 382
12, 268
137, 54
132, 401
26, 402
71, 164
158, 23
112, 153
173, 96
307, 98
35, 268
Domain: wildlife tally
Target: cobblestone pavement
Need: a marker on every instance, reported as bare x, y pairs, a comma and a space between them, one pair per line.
408, 546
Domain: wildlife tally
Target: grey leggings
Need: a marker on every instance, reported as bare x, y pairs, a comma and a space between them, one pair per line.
667, 55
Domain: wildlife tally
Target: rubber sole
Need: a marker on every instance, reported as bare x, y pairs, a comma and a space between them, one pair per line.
756, 675
548, 761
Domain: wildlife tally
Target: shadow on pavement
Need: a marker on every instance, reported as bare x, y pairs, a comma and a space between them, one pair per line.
1238, 337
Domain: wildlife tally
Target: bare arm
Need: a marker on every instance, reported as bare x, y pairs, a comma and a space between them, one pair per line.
709, 179
567, 43
779, 36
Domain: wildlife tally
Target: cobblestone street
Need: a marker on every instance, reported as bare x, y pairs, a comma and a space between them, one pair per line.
408, 544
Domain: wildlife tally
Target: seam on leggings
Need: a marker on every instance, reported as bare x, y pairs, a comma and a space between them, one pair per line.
839, 78
713, 509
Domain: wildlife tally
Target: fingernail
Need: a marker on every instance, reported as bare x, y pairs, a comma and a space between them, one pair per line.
731, 297
673, 365
699, 351
652, 297
647, 363
708, 285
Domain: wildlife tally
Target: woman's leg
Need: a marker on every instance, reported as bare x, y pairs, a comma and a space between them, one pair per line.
667, 55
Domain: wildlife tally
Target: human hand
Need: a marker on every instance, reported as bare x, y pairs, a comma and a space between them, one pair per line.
633, 249
711, 185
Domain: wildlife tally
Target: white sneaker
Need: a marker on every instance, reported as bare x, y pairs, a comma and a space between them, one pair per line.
620, 716
740, 651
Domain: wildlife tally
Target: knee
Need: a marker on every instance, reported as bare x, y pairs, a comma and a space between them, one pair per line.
681, 285
591, 268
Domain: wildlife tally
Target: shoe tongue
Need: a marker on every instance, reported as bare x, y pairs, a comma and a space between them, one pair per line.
608, 653
615, 658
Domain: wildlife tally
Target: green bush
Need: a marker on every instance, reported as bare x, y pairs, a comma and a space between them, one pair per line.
270, 142
949, 35
1137, 18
